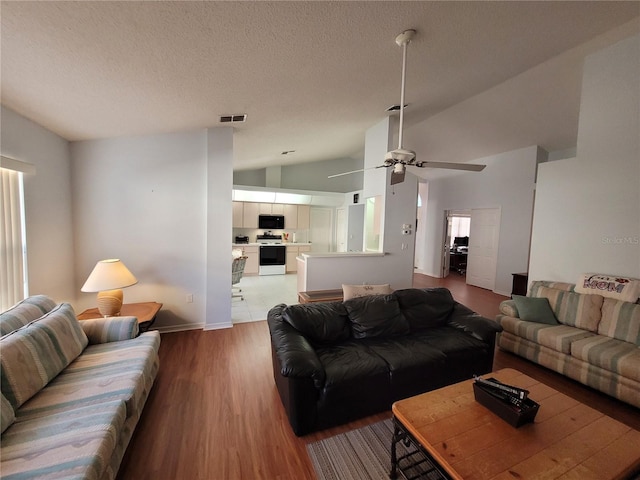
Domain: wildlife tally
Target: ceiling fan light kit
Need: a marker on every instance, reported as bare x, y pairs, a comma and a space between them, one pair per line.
401, 157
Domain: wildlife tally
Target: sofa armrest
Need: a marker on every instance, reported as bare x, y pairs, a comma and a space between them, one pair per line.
508, 308
474, 324
110, 329
295, 354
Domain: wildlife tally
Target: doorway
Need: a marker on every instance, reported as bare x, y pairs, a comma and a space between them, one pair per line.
457, 227
470, 245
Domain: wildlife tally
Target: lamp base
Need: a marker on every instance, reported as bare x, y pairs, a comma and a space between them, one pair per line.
110, 302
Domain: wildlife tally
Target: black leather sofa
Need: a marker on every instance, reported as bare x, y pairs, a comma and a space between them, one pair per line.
335, 362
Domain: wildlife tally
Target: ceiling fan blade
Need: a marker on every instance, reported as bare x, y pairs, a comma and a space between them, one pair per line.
346, 173
471, 167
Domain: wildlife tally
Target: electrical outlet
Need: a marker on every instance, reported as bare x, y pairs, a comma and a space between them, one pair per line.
189, 297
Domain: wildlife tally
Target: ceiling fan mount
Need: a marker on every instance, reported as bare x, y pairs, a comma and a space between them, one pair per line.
401, 157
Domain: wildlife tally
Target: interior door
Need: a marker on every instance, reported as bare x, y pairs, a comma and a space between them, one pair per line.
355, 231
320, 229
446, 257
482, 260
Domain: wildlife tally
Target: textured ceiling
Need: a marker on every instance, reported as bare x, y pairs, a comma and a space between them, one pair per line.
312, 76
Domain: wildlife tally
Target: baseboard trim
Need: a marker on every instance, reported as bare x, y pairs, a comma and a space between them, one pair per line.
179, 328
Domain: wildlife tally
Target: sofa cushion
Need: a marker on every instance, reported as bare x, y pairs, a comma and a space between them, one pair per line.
376, 316
620, 320
450, 340
558, 337
402, 353
74, 444
533, 309
355, 291
535, 286
320, 323
620, 357
116, 371
29, 309
610, 286
34, 354
425, 308
8, 414
574, 309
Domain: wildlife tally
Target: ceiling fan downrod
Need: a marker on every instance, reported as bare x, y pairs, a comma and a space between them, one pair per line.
403, 40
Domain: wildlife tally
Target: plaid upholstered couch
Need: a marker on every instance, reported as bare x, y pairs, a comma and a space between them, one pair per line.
595, 341
72, 392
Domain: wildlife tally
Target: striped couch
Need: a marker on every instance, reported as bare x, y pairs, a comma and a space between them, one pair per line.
596, 342
72, 392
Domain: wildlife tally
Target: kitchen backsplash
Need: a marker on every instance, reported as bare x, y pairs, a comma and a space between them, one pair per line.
302, 235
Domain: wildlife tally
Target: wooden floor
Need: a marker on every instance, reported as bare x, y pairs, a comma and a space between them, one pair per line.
214, 412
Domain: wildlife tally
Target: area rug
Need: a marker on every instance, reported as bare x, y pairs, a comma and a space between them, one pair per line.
362, 454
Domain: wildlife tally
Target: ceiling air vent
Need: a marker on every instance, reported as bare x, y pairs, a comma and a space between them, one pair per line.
237, 118
395, 108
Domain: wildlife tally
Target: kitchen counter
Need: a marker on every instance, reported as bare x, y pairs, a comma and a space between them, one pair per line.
255, 244
342, 254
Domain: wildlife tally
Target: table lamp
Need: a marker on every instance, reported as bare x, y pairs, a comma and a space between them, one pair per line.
108, 278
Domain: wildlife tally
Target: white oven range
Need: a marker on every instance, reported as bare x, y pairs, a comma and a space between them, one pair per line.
273, 255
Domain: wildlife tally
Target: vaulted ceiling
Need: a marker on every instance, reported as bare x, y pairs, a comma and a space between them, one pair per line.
311, 76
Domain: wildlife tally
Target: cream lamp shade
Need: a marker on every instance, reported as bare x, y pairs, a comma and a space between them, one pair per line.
108, 278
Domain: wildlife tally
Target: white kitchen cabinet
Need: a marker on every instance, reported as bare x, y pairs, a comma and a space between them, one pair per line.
264, 208
250, 215
290, 216
292, 252
277, 209
253, 260
238, 209
303, 217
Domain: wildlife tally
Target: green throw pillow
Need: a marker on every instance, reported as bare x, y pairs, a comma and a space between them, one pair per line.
534, 309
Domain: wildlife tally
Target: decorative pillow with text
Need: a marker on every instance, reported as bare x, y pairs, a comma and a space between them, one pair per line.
620, 288
355, 291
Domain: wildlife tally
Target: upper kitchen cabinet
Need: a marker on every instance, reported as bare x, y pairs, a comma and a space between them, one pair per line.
290, 216
278, 209
245, 214
303, 217
237, 214
250, 215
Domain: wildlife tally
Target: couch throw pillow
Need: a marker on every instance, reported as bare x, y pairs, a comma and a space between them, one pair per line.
534, 309
376, 316
25, 311
355, 291
425, 307
610, 286
8, 414
35, 354
320, 323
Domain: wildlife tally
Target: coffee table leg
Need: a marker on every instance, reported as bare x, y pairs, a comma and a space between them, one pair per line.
394, 457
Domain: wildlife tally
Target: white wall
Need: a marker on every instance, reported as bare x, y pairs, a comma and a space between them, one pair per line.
47, 202
507, 182
219, 222
587, 213
159, 202
395, 267
308, 176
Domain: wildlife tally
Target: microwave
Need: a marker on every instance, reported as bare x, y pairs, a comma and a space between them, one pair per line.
271, 222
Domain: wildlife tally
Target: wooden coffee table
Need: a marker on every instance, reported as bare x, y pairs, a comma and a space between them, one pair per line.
465, 440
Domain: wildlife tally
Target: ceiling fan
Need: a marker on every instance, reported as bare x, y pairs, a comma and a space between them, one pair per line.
400, 158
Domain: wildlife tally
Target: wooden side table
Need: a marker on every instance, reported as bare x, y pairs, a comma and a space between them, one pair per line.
320, 296
520, 283
145, 312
